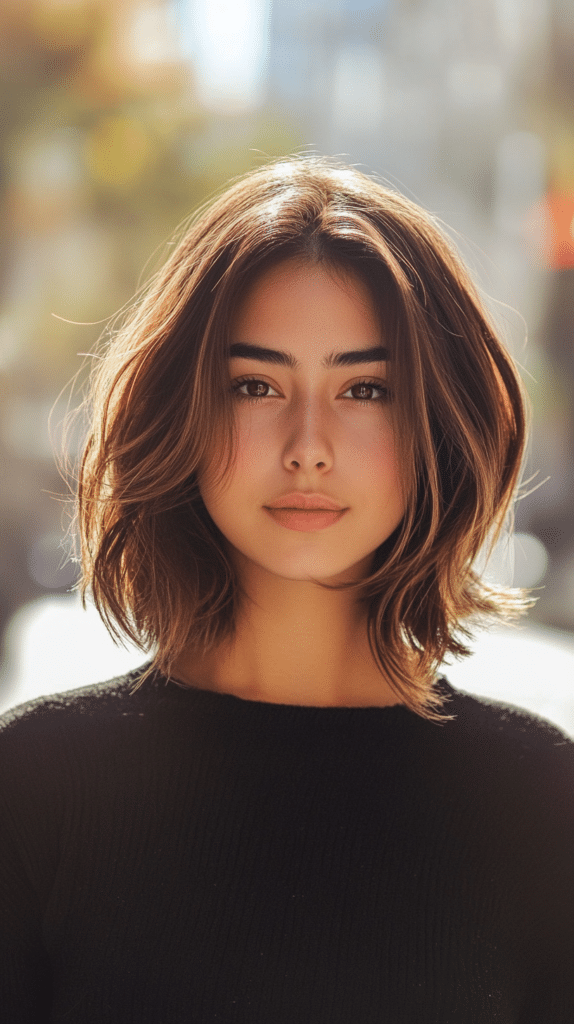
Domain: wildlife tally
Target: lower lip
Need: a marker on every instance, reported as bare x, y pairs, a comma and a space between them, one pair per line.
303, 520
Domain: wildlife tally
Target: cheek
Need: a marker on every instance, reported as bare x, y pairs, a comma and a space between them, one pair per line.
215, 474
372, 457
223, 497
258, 448
386, 483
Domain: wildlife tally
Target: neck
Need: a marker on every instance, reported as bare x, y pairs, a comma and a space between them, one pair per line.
294, 643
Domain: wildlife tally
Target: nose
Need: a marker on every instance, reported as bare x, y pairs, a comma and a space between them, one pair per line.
308, 445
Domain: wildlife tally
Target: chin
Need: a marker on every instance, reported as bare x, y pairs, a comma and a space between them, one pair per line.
304, 570
302, 566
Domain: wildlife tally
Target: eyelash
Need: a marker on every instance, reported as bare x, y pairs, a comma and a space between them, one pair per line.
385, 396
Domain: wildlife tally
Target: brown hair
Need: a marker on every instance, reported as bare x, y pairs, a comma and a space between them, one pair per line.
160, 404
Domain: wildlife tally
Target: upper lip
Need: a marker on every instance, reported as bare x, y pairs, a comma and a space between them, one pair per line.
300, 499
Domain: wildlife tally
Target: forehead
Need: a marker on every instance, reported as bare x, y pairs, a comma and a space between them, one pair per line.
305, 303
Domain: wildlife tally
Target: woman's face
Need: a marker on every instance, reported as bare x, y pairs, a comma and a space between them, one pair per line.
312, 422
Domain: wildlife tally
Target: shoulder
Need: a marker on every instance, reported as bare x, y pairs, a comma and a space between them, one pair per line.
58, 751
509, 752
497, 721
86, 700
45, 727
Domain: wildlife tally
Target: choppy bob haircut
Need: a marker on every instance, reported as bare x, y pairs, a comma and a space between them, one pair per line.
160, 407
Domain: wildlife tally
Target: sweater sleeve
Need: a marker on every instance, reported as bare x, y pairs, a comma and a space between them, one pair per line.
24, 971
25, 986
550, 994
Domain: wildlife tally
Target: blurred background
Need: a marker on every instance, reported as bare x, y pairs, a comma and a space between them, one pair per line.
121, 116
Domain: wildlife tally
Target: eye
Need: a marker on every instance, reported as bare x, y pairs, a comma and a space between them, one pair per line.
366, 389
257, 389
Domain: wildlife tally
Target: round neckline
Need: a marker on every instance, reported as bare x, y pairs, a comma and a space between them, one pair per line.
208, 697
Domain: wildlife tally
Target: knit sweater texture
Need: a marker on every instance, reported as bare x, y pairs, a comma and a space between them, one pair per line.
179, 856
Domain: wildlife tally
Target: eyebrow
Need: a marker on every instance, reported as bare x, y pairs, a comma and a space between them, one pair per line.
240, 350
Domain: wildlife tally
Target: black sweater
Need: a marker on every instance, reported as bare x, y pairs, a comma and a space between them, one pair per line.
177, 855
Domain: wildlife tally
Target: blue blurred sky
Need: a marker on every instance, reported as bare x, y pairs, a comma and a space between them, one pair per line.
227, 41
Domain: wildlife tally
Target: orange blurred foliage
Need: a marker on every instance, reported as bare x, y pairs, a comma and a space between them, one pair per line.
551, 229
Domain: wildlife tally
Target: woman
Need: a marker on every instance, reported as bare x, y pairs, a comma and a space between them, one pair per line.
302, 437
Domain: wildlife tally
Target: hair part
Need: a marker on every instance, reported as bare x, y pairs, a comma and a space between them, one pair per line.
160, 406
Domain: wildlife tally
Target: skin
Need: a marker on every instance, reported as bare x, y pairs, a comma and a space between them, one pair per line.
296, 643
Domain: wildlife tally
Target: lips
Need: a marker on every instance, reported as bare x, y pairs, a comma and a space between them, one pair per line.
306, 520
306, 502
